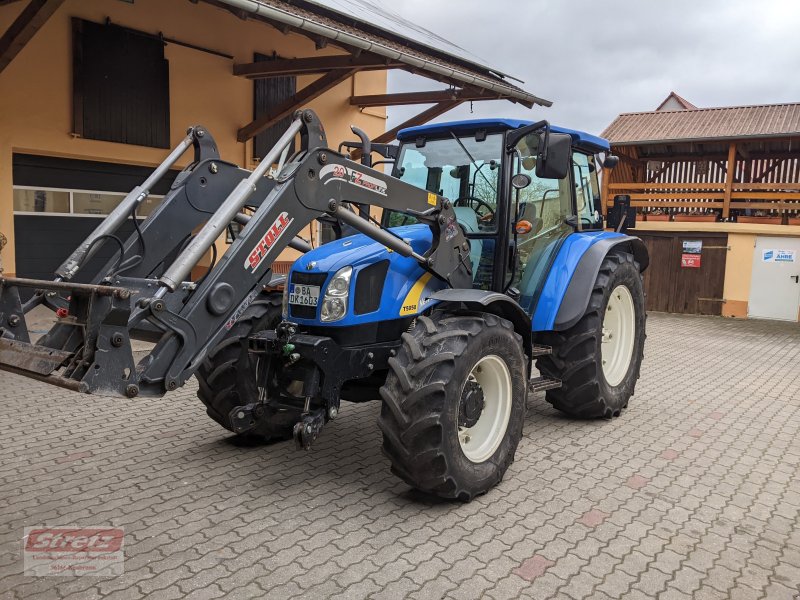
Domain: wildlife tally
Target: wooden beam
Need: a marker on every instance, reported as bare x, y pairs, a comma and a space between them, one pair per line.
288, 106
655, 203
423, 117
283, 67
766, 186
730, 175
24, 27
429, 97
678, 196
770, 169
672, 185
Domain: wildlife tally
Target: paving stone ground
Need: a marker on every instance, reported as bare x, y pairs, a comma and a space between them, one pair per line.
694, 492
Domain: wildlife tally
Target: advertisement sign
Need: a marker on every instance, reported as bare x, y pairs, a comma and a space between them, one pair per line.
778, 256
690, 261
692, 246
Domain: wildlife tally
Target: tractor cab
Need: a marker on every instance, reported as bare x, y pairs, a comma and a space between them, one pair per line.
515, 213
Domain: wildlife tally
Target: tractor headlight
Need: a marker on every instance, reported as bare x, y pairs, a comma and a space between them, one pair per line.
334, 304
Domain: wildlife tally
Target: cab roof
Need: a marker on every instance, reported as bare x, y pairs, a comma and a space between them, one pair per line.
581, 139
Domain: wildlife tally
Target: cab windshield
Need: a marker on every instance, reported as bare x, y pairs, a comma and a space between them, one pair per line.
465, 170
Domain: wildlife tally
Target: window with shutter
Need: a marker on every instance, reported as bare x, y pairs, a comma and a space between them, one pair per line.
268, 93
120, 85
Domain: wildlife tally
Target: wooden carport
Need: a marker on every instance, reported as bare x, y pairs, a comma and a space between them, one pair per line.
708, 184
730, 164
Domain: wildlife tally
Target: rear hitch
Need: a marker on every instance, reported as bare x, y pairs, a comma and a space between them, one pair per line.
308, 428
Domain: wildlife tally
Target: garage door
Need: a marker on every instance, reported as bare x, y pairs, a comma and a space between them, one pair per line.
686, 272
58, 202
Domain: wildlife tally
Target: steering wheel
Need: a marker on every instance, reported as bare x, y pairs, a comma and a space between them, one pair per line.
470, 201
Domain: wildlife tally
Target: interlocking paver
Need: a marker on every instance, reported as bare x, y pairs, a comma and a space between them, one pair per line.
691, 493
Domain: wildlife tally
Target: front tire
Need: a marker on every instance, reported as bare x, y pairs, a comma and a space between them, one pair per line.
454, 404
599, 358
227, 376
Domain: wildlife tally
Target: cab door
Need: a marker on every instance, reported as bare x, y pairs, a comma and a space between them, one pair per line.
539, 224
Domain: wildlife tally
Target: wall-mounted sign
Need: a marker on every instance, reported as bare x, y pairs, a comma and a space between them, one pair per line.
778, 256
690, 261
692, 246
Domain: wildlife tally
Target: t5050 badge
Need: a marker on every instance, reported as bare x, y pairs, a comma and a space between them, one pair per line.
353, 177
273, 235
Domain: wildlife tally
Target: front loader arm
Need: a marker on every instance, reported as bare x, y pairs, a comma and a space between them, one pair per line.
89, 348
320, 183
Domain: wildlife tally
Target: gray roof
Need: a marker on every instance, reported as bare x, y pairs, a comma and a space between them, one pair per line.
363, 25
733, 122
370, 14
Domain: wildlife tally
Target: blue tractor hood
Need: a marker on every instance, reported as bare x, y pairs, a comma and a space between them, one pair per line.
361, 249
402, 292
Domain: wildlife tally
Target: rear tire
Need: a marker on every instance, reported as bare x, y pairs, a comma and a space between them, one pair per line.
598, 373
454, 404
227, 376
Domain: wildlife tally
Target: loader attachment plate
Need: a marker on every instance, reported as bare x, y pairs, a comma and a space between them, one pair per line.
29, 357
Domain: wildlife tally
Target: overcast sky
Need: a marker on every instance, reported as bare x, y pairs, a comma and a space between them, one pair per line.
597, 58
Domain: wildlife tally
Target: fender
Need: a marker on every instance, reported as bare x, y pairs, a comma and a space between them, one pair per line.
494, 303
580, 285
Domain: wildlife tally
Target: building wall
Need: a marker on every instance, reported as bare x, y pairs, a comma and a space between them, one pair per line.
739, 260
36, 88
738, 272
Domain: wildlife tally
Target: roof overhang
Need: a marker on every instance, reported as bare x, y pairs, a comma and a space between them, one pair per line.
418, 62
704, 140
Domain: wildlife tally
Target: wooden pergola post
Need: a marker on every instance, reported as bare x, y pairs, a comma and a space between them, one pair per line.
730, 175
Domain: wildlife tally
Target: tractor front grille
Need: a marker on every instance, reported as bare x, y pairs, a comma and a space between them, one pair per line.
300, 277
369, 287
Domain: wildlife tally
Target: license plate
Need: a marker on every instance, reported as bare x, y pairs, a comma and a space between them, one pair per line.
303, 295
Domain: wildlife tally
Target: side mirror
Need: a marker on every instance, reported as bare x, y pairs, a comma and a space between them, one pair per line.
520, 181
552, 150
610, 161
556, 162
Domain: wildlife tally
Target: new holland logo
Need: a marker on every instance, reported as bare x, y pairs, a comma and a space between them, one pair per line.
273, 235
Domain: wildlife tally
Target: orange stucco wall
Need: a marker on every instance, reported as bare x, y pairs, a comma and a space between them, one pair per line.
36, 88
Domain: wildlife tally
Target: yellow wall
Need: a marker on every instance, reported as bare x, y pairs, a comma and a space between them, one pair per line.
738, 272
36, 88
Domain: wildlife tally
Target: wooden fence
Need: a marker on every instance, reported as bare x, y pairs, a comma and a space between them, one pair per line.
702, 196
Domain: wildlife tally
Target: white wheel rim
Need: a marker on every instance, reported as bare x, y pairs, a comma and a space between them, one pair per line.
479, 442
619, 334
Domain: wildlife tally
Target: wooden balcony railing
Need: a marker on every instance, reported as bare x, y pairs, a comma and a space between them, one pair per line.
725, 196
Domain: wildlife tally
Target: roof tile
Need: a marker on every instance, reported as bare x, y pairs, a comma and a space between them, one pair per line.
766, 120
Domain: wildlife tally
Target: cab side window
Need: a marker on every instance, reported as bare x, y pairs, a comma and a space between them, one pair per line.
542, 210
587, 189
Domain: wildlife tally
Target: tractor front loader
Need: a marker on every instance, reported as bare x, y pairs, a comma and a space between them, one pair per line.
490, 254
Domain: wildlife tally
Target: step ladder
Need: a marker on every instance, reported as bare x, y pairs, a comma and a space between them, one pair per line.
541, 384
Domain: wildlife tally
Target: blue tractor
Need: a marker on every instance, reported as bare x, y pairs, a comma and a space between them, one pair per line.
487, 276
453, 366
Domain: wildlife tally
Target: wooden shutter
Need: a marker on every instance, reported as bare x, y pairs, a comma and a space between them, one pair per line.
120, 85
267, 94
